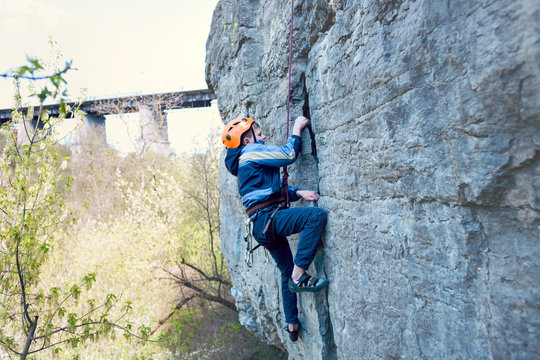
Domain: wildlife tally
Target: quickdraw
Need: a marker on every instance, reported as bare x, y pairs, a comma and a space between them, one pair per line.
249, 244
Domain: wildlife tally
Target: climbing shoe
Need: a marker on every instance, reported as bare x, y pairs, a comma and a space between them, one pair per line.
293, 335
307, 283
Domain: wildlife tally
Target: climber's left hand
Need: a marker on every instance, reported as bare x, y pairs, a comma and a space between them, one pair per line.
308, 195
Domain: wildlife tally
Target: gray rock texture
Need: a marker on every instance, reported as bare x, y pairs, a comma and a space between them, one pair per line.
426, 116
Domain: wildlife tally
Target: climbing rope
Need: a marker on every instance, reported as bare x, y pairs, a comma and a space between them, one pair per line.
285, 184
290, 65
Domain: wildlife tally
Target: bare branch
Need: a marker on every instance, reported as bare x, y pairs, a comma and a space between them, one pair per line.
24, 305
202, 293
176, 308
209, 278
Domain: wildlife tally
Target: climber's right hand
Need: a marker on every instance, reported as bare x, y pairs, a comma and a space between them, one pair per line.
299, 124
308, 195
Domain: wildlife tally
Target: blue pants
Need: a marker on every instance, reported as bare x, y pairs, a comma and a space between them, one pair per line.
310, 221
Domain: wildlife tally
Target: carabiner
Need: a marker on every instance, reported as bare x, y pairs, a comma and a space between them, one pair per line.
249, 243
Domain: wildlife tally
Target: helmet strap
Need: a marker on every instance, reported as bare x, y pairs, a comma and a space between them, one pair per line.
253, 133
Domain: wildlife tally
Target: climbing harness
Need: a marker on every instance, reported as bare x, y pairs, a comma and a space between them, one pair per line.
262, 205
249, 226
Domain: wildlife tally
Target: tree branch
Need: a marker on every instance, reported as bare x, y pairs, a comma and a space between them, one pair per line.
9, 348
64, 329
22, 284
177, 307
202, 293
29, 338
44, 77
209, 278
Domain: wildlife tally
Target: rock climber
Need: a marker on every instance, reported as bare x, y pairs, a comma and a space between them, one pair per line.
257, 168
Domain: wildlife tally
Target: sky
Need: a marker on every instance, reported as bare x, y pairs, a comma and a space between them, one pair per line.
118, 47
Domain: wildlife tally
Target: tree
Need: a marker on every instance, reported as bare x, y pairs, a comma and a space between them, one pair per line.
202, 273
177, 206
33, 212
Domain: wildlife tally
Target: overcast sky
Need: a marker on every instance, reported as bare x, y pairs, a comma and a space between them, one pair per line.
117, 46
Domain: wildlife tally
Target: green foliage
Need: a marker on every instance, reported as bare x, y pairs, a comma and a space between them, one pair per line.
32, 211
144, 215
211, 332
140, 219
34, 215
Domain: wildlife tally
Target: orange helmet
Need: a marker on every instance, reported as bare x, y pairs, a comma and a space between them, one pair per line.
233, 131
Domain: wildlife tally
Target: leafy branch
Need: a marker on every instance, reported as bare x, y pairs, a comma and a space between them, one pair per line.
35, 65
33, 213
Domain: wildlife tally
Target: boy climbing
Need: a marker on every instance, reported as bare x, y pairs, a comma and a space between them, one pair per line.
257, 167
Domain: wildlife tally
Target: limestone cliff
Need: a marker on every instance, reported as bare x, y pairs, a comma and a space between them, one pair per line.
426, 116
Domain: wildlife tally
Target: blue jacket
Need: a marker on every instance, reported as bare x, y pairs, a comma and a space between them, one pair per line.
256, 167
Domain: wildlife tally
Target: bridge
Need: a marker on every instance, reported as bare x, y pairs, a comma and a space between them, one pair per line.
129, 104
153, 131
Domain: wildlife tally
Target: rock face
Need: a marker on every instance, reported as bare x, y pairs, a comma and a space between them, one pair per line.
426, 116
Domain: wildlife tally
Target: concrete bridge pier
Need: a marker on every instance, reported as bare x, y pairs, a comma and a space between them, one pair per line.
91, 133
153, 134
